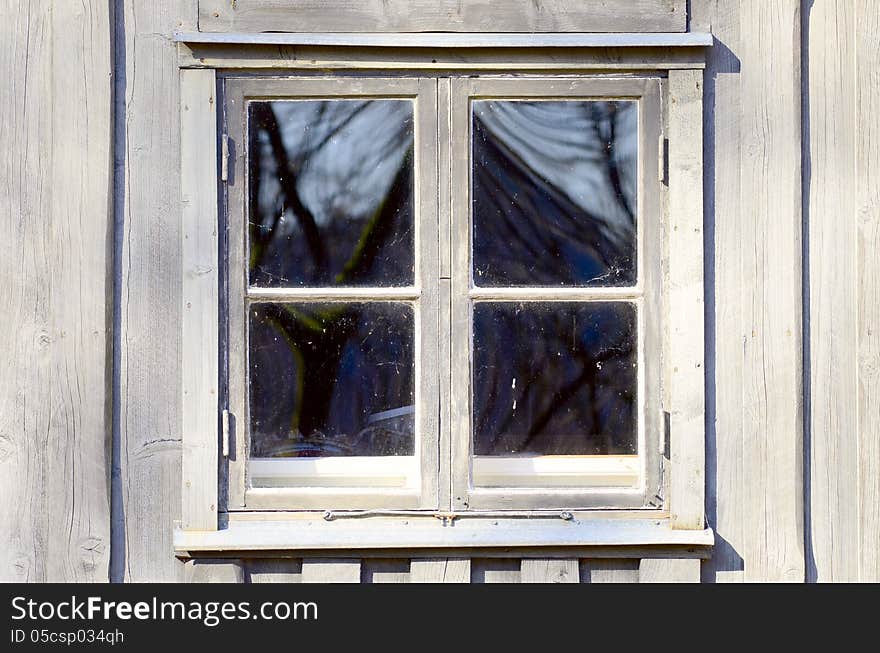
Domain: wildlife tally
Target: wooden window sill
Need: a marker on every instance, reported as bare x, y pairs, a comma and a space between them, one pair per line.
252, 532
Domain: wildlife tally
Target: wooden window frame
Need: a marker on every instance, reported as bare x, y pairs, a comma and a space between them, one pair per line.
208, 524
646, 91
422, 296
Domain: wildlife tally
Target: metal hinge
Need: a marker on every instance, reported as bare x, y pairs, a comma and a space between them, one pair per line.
663, 158
224, 429
224, 158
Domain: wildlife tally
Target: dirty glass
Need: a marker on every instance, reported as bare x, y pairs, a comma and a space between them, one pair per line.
330, 193
554, 378
331, 379
554, 193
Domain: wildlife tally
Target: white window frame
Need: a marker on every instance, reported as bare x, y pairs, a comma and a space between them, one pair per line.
403, 482
208, 524
601, 487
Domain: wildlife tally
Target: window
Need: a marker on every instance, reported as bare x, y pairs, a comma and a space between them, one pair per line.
450, 292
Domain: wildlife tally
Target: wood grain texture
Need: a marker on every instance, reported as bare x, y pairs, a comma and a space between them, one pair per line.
210, 55
199, 306
754, 176
669, 570
724, 244
385, 570
495, 570
440, 570
867, 189
834, 263
329, 570
609, 571
55, 122
685, 365
442, 16
273, 571
771, 286
215, 571
549, 570
150, 316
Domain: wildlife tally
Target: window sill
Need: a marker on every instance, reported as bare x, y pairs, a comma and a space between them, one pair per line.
251, 533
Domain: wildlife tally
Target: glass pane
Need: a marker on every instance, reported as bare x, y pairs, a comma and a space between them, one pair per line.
554, 193
331, 193
333, 379
554, 379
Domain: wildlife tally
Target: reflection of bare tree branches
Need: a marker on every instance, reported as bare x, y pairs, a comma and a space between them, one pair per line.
319, 337
533, 189
378, 228
263, 115
608, 141
554, 378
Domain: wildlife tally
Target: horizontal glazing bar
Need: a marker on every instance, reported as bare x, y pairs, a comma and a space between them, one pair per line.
332, 294
554, 294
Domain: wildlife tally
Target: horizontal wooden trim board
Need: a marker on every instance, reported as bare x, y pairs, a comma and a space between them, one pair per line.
442, 16
457, 40
430, 531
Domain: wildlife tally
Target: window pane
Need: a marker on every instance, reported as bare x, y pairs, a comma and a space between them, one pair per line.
554, 378
331, 193
331, 379
554, 193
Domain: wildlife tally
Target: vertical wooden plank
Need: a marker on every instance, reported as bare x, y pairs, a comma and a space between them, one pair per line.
724, 243
460, 311
753, 179
549, 570
428, 242
55, 122
833, 238
199, 337
440, 570
495, 570
331, 570
614, 570
379, 570
771, 287
669, 570
867, 70
149, 409
214, 571
685, 315
273, 571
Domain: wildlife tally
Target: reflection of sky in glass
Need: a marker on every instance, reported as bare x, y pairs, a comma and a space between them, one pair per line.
555, 187
350, 150
331, 199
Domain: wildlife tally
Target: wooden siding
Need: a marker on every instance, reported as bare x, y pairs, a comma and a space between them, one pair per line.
842, 188
442, 16
150, 354
753, 209
55, 267
792, 199
444, 570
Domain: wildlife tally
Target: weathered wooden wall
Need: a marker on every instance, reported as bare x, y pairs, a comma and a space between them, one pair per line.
792, 197
842, 195
55, 228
